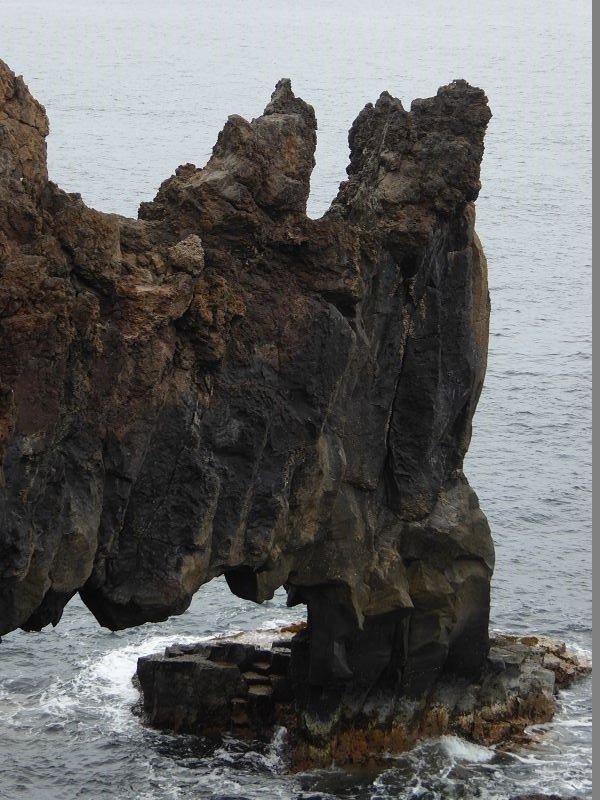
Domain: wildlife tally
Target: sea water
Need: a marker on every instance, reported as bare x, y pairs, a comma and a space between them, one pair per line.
134, 88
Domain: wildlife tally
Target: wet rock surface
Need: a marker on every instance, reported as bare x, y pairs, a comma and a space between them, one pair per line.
223, 686
538, 796
227, 387
231, 686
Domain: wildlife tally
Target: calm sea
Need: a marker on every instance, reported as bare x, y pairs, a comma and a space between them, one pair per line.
135, 87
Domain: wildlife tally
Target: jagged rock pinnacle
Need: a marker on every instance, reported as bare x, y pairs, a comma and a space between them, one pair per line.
225, 386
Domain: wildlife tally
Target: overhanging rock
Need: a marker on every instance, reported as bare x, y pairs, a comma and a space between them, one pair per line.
225, 386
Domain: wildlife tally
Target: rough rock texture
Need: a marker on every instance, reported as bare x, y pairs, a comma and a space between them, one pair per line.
538, 796
217, 687
225, 386
254, 690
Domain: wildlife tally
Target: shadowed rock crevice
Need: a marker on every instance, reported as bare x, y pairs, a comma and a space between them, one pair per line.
225, 386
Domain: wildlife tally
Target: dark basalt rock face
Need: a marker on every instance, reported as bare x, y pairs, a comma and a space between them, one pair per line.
225, 386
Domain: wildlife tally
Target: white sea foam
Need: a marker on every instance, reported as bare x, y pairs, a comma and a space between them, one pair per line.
584, 722
274, 759
461, 750
106, 682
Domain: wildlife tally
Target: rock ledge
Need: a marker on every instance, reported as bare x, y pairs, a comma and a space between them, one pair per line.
239, 686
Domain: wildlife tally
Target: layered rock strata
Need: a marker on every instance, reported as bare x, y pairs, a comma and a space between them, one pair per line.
227, 387
232, 686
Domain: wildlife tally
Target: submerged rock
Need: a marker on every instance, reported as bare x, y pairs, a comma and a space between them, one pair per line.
227, 387
538, 796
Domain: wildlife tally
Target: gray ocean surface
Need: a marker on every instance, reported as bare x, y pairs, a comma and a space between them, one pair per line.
134, 89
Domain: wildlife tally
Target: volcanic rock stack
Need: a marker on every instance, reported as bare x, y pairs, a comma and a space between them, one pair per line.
227, 387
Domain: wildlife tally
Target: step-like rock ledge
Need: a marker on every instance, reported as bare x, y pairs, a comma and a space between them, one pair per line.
241, 686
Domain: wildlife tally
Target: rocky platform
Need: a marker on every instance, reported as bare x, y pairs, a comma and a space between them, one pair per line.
240, 687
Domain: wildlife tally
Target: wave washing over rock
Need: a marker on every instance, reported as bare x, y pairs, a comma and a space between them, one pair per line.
227, 387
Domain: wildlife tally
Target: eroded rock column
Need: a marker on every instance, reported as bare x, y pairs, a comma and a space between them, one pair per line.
227, 387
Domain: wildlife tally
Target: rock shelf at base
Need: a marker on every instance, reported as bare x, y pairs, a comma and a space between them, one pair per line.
239, 685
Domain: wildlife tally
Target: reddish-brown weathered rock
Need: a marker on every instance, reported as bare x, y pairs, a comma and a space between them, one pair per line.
225, 386
516, 688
